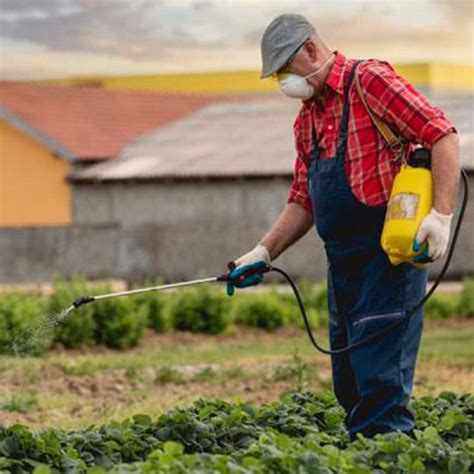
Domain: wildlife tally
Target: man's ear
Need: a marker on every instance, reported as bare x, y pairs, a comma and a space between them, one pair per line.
311, 50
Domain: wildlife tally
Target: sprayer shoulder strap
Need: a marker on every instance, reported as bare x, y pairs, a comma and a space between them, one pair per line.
396, 144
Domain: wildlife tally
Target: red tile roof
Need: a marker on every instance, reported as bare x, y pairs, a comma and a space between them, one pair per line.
95, 123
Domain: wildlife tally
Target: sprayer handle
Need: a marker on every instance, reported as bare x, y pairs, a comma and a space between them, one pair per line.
264, 268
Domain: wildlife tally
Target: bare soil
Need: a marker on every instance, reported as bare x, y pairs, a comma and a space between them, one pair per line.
68, 400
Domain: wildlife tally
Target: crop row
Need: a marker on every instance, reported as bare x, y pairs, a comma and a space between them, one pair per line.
31, 323
302, 433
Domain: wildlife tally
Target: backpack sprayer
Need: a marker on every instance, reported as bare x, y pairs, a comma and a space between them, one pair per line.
410, 202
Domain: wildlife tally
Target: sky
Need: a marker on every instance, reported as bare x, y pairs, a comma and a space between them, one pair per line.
59, 38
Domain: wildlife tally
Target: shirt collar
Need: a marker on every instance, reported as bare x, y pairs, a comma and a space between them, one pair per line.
335, 80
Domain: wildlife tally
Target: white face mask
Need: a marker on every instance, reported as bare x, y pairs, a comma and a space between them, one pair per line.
296, 86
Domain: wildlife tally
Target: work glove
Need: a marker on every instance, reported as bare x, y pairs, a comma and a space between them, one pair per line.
434, 229
255, 259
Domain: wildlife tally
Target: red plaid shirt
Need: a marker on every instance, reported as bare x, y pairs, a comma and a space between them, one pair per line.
370, 163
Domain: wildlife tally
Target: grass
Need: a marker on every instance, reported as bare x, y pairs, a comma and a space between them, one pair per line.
76, 388
449, 347
19, 403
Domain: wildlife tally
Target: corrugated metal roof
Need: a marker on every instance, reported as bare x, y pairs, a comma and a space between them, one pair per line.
222, 140
238, 140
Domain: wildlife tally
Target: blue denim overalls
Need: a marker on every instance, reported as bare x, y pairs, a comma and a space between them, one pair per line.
366, 293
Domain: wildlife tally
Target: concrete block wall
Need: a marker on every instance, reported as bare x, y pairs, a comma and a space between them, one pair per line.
175, 230
34, 254
182, 229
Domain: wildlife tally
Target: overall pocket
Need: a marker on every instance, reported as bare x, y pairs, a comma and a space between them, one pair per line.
379, 362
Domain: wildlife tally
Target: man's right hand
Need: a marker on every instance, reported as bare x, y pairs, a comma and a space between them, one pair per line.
253, 259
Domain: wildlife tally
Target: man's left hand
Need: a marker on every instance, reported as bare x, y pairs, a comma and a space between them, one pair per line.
435, 230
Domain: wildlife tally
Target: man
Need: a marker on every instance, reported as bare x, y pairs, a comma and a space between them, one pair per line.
343, 176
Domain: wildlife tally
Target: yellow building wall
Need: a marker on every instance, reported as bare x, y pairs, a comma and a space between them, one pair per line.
33, 190
417, 74
201, 83
427, 74
452, 77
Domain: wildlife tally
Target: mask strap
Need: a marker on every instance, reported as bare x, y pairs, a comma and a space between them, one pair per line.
321, 68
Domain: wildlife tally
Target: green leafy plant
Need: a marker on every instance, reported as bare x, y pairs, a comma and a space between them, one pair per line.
441, 306
154, 303
321, 304
117, 323
79, 327
23, 326
19, 403
466, 300
198, 310
298, 372
207, 374
263, 311
304, 432
120, 322
169, 375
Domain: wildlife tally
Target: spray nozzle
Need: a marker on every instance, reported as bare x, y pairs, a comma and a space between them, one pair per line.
83, 300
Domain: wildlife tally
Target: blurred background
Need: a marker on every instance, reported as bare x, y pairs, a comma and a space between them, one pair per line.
136, 135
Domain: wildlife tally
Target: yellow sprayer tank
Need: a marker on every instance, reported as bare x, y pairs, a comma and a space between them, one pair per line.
410, 202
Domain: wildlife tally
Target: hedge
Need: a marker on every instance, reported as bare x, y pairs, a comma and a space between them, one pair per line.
24, 329
31, 324
201, 309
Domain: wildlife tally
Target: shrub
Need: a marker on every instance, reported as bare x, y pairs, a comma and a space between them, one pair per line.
79, 327
466, 300
154, 303
120, 322
315, 300
441, 306
259, 310
288, 304
23, 327
309, 292
321, 301
198, 310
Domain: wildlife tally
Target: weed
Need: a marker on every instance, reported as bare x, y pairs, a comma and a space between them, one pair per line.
19, 403
166, 375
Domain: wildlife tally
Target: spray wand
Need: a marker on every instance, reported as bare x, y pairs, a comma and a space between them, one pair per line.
221, 278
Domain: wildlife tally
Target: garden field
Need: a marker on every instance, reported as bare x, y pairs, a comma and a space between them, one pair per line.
213, 384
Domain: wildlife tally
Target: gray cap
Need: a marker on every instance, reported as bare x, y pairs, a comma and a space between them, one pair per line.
282, 37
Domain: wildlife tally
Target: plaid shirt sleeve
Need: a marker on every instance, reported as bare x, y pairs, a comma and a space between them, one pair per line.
299, 189
401, 106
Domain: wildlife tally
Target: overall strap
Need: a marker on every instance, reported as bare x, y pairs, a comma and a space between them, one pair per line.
397, 144
342, 140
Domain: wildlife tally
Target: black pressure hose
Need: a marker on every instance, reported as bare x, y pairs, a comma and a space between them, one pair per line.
408, 314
